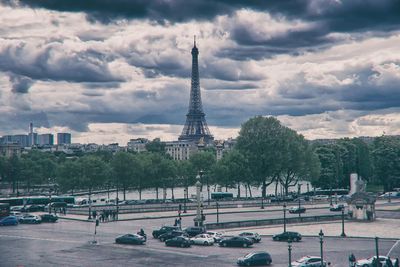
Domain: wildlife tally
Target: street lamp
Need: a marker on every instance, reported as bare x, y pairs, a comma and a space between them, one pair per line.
217, 212
284, 217
331, 196
184, 200
49, 197
321, 241
378, 263
298, 193
343, 234
290, 251
198, 220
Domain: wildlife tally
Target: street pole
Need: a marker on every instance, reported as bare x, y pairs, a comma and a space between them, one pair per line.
390, 200
208, 192
284, 217
377, 252
262, 202
331, 196
49, 197
298, 193
117, 203
184, 201
290, 251
217, 212
321, 241
90, 203
198, 220
343, 234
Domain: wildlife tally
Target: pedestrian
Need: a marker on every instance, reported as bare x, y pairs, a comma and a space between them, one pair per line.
396, 263
180, 222
352, 260
389, 262
176, 222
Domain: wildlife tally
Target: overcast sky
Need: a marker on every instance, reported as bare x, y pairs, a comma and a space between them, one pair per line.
108, 71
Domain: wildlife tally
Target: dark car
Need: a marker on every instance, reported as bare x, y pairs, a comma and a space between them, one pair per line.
338, 207
285, 236
130, 239
32, 208
297, 210
193, 231
255, 258
236, 241
49, 218
251, 235
29, 218
163, 230
9, 220
179, 241
171, 234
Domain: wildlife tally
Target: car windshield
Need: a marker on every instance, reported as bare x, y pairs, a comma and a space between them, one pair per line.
304, 259
249, 255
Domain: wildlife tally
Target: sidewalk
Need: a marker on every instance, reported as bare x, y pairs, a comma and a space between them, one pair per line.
383, 228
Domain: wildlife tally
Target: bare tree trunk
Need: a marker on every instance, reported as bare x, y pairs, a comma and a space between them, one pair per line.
238, 192
172, 192
124, 189
157, 192
248, 186
140, 193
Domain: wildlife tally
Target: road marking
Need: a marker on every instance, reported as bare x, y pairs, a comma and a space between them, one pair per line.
38, 238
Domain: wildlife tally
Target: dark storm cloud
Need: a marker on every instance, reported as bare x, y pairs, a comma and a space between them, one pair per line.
21, 119
20, 84
51, 62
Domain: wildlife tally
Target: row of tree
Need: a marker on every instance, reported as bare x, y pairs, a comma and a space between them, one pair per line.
266, 153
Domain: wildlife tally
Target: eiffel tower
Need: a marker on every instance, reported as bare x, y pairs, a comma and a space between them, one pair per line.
195, 128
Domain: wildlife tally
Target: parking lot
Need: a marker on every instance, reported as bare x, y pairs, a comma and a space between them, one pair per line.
67, 243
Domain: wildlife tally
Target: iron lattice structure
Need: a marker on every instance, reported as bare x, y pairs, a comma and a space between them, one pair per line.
196, 126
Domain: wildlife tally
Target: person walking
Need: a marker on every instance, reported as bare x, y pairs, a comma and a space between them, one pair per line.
389, 262
352, 260
396, 263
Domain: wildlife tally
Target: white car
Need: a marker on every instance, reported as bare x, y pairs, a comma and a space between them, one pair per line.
368, 262
202, 239
17, 214
216, 235
309, 261
251, 235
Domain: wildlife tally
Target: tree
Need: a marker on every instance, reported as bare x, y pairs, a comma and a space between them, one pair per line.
68, 176
93, 172
386, 161
156, 146
127, 170
261, 141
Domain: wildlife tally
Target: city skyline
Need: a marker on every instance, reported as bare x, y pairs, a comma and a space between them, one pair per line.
112, 72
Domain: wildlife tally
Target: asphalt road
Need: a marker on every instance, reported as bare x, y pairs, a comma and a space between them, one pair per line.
66, 243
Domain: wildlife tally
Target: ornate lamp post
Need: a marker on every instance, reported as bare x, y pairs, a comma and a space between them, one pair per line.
290, 251
377, 252
198, 220
321, 241
298, 193
284, 217
343, 234
184, 201
217, 212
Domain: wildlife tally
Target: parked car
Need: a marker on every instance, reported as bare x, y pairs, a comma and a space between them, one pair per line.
9, 220
216, 235
320, 197
130, 239
236, 241
171, 234
193, 231
337, 207
202, 239
368, 262
49, 217
179, 241
294, 236
16, 208
29, 218
392, 194
297, 210
255, 258
251, 235
309, 261
163, 230
16, 214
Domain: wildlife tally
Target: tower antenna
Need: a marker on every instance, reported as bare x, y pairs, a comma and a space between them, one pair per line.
194, 40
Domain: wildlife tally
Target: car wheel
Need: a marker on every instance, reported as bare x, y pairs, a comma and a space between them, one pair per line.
245, 245
182, 245
224, 244
277, 238
268, 262
205, 243
247, 263
295, 239
162, 239
365, 265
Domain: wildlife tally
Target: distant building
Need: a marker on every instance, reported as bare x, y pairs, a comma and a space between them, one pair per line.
180, 150
46, 139
8, 150
21, 139
63, 138
32, 139
137, 145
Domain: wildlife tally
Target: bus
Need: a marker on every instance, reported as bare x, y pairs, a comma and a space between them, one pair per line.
221, 195
327, 192
4, 210
43, 200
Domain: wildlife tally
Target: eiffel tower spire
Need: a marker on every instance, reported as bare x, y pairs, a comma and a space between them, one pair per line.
196, 126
